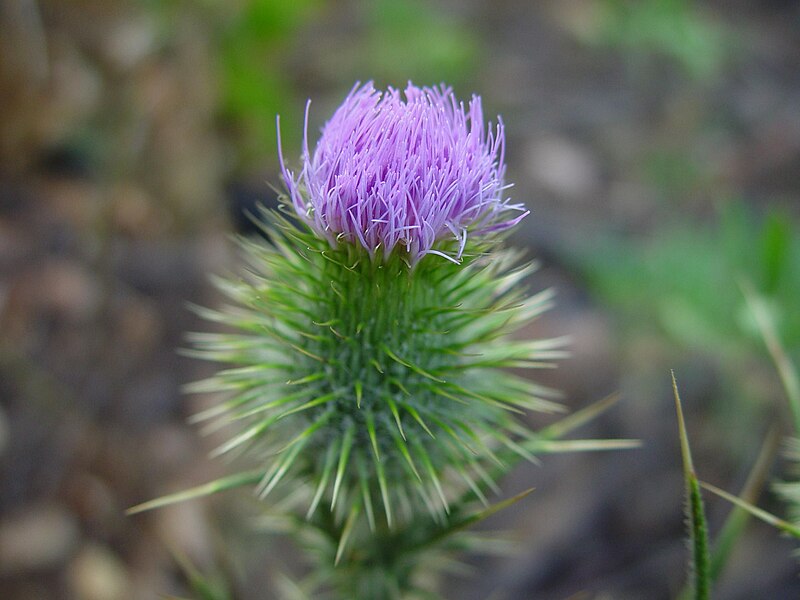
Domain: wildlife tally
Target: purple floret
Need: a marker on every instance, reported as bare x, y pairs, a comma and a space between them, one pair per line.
391, 171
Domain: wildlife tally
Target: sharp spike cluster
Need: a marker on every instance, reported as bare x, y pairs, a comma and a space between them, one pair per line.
398, 388
357, 368
365, 378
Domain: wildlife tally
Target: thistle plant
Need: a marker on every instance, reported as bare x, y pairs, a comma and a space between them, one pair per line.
367, 341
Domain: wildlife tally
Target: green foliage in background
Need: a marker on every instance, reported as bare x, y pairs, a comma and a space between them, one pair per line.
683, 280
678, 292
411, 39
256, 83
673, 29
393, 41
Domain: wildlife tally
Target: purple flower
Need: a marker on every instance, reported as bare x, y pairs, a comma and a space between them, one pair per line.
395, 173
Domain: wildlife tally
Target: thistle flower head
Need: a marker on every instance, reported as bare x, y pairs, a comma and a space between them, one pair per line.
380, 390
377, 396
413, 172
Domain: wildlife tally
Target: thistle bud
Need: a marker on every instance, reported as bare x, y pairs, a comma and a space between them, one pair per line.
371, 331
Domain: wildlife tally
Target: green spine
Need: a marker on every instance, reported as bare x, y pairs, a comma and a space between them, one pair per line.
372, 385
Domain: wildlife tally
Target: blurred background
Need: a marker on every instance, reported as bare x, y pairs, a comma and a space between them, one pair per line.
657, 144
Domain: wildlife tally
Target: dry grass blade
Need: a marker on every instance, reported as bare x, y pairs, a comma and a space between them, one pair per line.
786, 369
759, 513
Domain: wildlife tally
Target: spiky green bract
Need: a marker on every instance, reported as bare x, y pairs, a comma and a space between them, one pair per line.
697, 523
372, 385
388, 564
